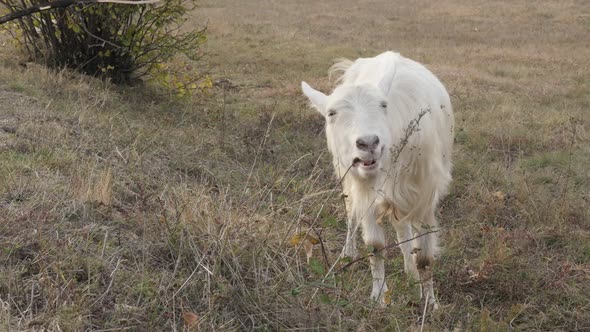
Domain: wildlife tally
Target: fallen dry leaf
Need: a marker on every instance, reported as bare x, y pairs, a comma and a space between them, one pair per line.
499, 195
303, 236
190, 319
308, 243
388, 296
296, 239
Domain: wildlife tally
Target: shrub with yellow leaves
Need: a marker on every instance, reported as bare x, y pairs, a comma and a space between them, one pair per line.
114, 41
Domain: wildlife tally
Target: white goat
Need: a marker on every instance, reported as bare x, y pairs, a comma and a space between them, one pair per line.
389, 127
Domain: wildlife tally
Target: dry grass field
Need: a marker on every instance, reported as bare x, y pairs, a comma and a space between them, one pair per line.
123, 209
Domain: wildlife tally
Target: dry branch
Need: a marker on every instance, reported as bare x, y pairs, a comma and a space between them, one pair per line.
65, 3
377, 251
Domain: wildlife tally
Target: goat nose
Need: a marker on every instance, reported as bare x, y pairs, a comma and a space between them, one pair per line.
367, 143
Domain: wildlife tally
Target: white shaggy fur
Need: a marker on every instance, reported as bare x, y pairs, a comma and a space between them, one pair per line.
390, 170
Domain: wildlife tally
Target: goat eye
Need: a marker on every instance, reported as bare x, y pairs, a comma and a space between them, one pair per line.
383, 104
331, 112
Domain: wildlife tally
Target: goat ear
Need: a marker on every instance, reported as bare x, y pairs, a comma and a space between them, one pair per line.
317, 99
386, 81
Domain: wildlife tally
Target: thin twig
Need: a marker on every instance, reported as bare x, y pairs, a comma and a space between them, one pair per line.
324, 253
395, 244
110, 283
424, 313
307, 233
199, 264
104, 243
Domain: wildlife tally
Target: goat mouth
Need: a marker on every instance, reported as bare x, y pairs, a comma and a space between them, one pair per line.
369, 163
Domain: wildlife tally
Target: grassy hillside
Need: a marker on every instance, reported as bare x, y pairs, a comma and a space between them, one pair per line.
125, 209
